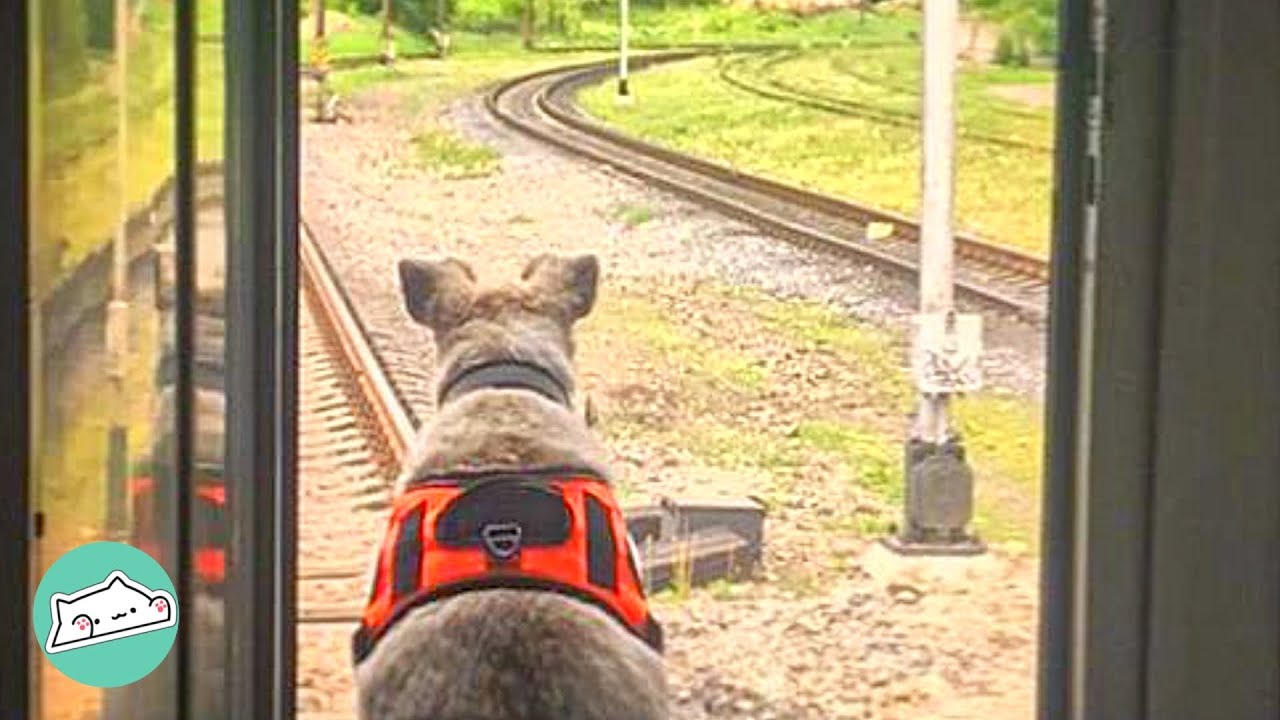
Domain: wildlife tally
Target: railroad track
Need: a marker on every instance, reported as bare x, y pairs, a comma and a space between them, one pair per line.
542, 105
751, 74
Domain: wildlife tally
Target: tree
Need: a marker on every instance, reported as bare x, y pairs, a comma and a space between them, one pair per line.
64, 47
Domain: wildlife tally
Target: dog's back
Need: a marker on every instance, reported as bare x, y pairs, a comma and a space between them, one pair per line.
507, 654
511, 655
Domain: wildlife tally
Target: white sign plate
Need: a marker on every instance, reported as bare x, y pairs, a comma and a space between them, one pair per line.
947, 356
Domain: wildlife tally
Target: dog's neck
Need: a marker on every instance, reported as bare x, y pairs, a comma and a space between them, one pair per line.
504, 374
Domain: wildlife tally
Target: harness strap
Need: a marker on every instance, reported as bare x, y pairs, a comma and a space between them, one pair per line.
504, 374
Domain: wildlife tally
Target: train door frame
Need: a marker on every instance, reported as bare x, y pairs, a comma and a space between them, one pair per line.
16, 523
262, 293
262, 195
1162, 510
1114, 595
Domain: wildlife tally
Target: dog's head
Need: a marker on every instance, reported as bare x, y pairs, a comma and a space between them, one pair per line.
530, 319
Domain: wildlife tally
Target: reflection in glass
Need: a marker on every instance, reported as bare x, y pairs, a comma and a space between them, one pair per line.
208, 520
204, 634
102, 112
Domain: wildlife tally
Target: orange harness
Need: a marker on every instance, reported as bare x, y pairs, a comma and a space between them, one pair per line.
556, 531
209, 558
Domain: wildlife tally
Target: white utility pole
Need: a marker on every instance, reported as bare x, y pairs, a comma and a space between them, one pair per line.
947, 347
938, 173
624, 29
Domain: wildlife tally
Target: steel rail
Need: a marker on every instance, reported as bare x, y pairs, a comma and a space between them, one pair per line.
542, 105
393, 423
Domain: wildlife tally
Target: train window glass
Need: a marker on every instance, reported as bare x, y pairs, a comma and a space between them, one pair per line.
101, 178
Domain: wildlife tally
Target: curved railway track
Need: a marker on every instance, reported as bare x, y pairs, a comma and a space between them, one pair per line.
543, 105
760, 80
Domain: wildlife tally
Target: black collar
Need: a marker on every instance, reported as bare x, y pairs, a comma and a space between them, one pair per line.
506, 374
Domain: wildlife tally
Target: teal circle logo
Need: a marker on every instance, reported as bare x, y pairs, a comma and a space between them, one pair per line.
106, 614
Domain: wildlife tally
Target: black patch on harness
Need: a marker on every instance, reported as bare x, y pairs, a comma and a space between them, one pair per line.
497, 516
602, 568
408, 558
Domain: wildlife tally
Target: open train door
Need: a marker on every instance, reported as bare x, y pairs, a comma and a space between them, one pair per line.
205, 481
1162, 502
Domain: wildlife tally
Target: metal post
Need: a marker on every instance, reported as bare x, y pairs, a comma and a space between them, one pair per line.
117, 319
624, 29
939, 484
320, 62
388, 41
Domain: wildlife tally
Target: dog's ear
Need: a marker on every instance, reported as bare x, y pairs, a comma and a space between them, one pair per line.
437, 293
569, 282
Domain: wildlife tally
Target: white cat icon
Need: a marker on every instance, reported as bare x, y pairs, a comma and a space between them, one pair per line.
110, 610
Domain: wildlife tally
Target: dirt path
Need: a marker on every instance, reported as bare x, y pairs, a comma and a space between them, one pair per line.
708, 382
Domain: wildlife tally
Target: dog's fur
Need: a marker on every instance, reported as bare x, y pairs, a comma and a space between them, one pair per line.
507, 654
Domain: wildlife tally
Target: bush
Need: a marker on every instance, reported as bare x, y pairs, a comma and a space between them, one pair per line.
418, 16
1028, 28
487, 15
64, 46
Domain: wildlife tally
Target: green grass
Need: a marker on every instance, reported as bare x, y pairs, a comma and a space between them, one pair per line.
450, 157
729, 24
424, 88
1002, 193
721, 369
877, 460
1004, 439
1002, 434
634, 215
474, 61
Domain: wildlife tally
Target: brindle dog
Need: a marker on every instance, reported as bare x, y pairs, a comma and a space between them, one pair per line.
507, 654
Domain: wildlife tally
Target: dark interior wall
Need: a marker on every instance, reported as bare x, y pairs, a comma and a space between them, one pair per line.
1215, 560
15, 520
1177, 424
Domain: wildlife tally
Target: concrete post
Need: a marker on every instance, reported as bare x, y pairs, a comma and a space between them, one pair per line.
939, 483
